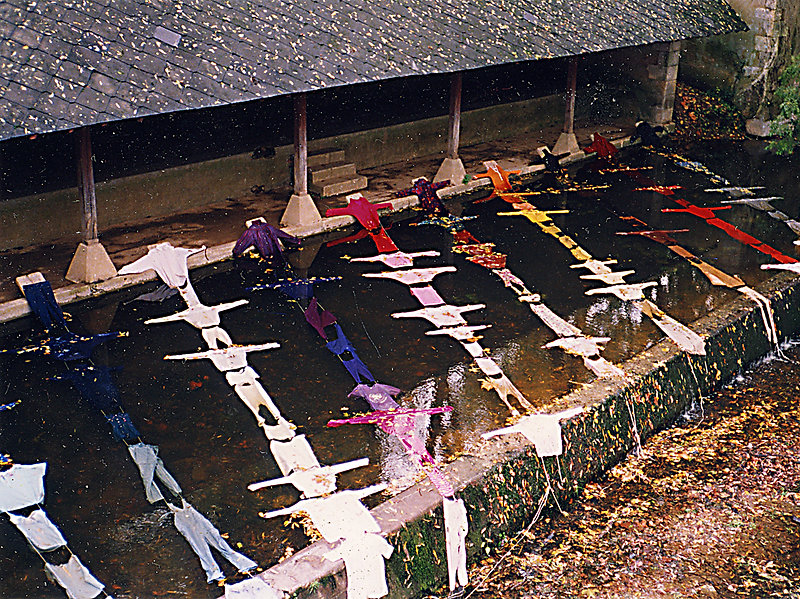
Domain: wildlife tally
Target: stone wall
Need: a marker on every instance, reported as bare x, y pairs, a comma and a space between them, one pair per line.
746, 66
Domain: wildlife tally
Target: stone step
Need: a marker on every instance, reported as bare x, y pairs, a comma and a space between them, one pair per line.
334, 170
338, 186
325, 157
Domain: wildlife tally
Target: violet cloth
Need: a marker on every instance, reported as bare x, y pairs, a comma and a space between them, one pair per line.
268, 240
378, 396
426, 192
318, 318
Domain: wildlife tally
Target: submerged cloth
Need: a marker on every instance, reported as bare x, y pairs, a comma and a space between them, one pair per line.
77, 347
340, 346
251, 588
95, 385
455, 533
77, 581
363, 558
168, 261
151, 467
268, 240
202, 536
43, 303
426, 192
39, 530
318, 318
22, 485
122, 427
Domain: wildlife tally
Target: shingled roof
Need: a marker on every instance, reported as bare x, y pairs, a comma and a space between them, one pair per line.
70, 63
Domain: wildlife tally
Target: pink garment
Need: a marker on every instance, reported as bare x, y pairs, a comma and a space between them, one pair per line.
427, 296
412, 276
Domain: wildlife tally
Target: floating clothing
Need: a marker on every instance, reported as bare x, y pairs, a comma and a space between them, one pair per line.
43, 303
151, 467
95, 385
245, 384
77, 581
199, 315
362, 210
455, 533
552, 162
441, 316
202, 536
314, 482
22, 485
228, 358
648, 134
427, 296
426, 192
318, 317
268, 240
292, 455
378, 396
363, 558
357, 369
411, 277
122, 427
338, 516
396, 259
543, 430
39, 530
498, 176
601, 146
169, 263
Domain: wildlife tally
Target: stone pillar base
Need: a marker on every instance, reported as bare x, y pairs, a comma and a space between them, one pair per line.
567, 142
301, 210
452, 170
90, 263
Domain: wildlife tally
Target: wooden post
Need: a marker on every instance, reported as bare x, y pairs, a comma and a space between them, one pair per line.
90, 262
301, 210
300, 145
452, 169
86, 185
454, 131
572, 87
567, 142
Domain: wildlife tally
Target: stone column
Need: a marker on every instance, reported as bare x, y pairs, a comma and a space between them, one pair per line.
90, 262
301, 209
567, 142
452, 168
662, 77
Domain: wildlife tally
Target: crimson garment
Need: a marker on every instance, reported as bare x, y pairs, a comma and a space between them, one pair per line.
601, 146
363, 211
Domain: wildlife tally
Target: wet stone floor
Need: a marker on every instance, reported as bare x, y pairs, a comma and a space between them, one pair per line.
209, 441
710, 508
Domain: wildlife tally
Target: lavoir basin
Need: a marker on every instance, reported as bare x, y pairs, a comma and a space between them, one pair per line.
209, 440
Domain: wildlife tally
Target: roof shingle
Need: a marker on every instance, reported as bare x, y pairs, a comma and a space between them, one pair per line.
80, 62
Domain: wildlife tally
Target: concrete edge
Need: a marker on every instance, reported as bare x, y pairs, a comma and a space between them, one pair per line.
503, 485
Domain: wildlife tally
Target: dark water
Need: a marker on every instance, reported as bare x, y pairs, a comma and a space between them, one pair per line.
209, 440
